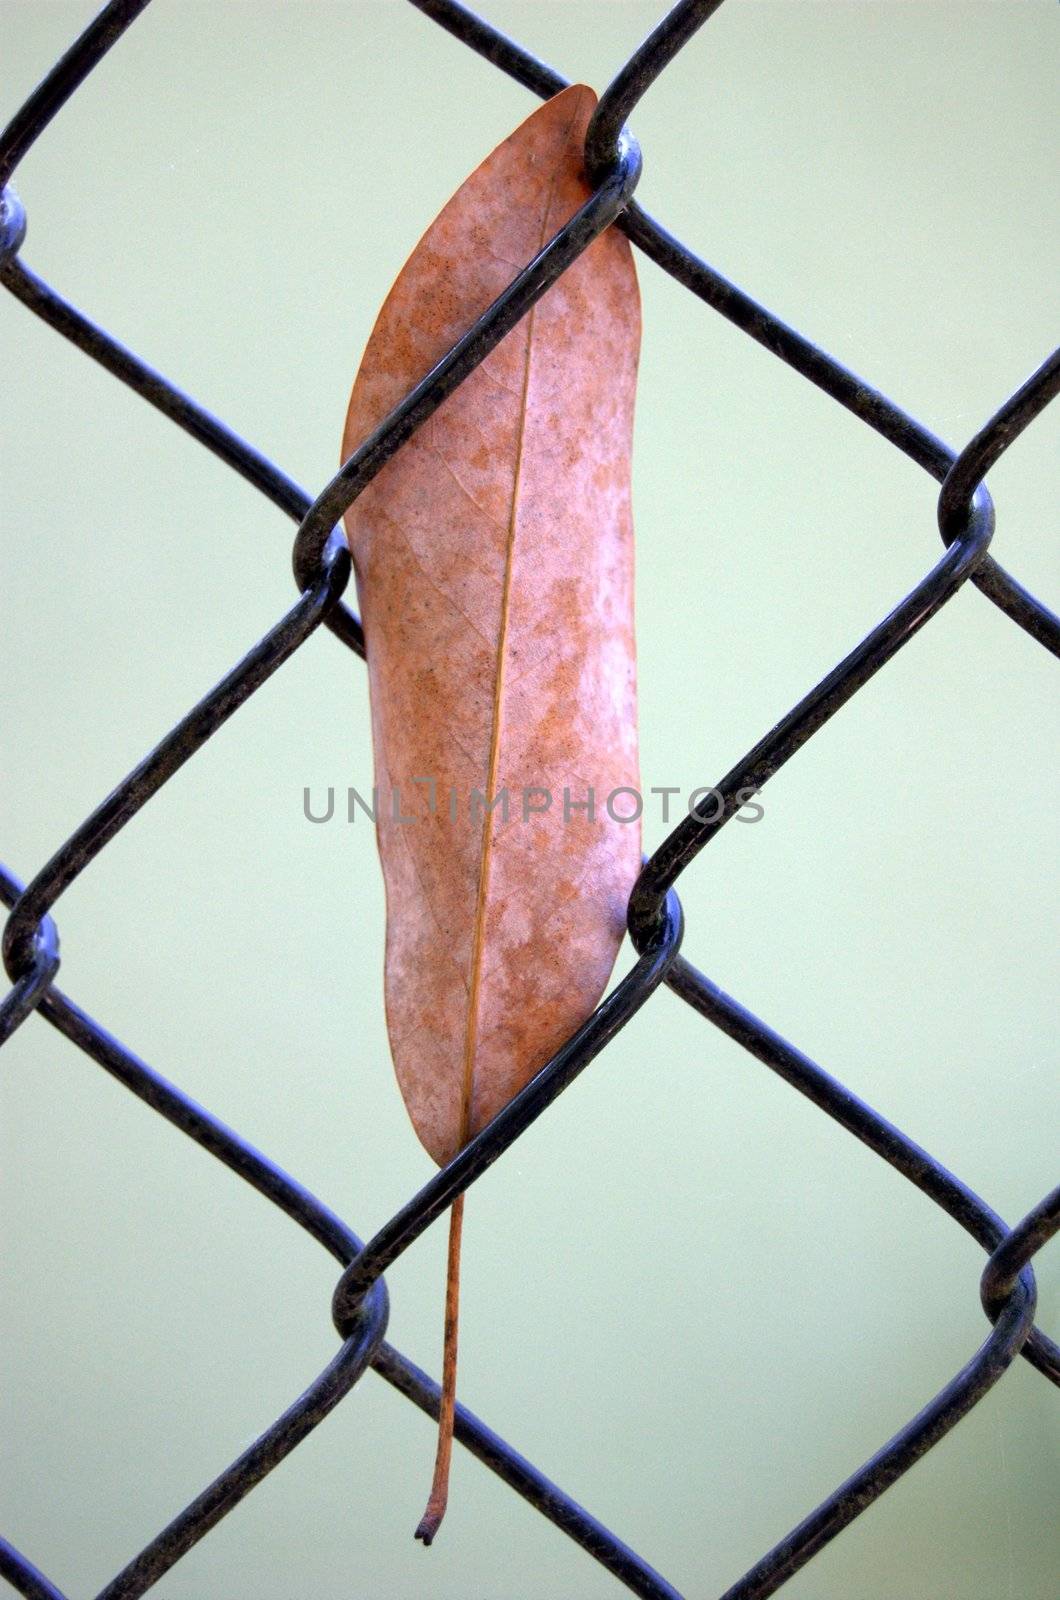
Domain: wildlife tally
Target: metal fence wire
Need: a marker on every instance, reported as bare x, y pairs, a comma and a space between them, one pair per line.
322, 570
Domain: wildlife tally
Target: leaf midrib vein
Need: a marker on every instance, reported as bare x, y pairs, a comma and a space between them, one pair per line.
471, 1032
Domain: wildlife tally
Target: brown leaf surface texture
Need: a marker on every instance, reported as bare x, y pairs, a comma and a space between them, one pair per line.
493, 558
494, 565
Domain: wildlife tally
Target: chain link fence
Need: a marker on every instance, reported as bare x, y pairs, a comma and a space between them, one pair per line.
322, 571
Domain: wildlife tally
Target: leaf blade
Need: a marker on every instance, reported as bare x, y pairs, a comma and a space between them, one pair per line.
500, 646
493, 557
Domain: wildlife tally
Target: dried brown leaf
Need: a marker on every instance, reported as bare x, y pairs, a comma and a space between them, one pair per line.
493, 557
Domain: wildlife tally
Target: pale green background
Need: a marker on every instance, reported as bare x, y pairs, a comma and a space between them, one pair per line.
688, 1296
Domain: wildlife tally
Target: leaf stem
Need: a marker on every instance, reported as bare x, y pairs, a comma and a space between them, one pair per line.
432, 1517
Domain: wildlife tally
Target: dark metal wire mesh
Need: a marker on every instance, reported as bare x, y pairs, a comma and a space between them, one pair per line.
322, 570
